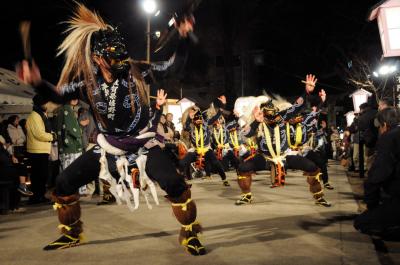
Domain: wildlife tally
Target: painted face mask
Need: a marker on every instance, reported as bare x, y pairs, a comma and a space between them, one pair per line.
268, 109
110, 45
198, 118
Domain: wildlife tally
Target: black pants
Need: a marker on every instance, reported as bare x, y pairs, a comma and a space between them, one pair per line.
210, 163
230, 158
383, 220
11, 175
258, 162
86, 168
39, 175
319, 159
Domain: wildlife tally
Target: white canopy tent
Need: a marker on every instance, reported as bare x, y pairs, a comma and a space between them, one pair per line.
15, 96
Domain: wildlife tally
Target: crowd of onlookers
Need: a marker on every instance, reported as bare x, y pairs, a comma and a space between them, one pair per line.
33, 151
375, 131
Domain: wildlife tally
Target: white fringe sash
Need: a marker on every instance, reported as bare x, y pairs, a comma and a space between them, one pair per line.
118, 188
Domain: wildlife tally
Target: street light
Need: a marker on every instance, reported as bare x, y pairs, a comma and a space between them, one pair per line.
387, 14
149, 6
385, 70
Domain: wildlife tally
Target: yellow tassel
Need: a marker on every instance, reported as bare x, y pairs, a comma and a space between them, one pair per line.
298, 137
183, 205
57, 205
319, 192
189, 227
318, 177
61, 226
201, 150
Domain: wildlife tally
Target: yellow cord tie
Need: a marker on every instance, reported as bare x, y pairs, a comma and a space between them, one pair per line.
67, 227
318, 177
242, 177
61, 226
298, 138
276, 156
189, 227
251, 144
245, 194
310, 142
201, 150
57, 205
318, 193
219, 137
183, 205
234, 139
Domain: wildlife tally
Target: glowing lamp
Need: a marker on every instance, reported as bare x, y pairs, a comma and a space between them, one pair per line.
387, 14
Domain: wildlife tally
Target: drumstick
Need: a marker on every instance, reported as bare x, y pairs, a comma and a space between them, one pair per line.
24, 28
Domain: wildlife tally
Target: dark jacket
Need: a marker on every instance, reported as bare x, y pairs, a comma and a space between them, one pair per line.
385, 171
368, 130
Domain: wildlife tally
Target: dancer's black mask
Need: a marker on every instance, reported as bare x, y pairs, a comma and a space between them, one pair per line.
110, 45
268, 109
198, 117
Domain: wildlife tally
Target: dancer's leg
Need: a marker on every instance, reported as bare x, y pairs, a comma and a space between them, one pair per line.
159, 167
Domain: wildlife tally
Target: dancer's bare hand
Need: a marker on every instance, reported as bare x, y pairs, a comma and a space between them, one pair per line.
161, 97
310, 83
322, 95
258, 114
185, 26
29, 74
222, 99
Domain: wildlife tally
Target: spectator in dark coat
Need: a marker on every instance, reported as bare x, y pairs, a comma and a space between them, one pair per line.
382, 217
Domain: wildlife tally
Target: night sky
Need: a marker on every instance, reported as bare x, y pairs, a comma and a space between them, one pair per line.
294, 37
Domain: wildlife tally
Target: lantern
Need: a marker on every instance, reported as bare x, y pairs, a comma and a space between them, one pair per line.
359, 97
388, 15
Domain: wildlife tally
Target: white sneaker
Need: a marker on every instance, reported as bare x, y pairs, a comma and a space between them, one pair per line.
19, 210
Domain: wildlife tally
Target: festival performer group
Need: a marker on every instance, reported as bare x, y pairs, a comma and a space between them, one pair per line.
266, 134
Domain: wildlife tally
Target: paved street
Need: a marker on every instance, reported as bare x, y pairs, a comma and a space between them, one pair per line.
282, 226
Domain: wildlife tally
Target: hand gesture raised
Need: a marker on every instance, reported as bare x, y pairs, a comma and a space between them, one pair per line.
258, 114
222, 99
322, 95
310, 83
161, 97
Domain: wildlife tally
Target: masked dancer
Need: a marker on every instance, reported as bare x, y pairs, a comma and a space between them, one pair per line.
99, 69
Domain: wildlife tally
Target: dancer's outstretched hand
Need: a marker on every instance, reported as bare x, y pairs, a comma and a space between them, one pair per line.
29, 74
310, 83
222, 99
161, 97
258, 114
185, 26
322, 95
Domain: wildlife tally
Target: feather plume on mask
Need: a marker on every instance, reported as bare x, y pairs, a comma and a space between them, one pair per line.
244, 106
